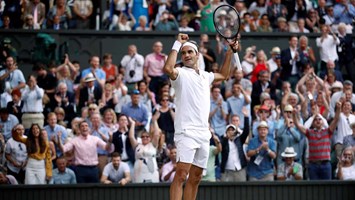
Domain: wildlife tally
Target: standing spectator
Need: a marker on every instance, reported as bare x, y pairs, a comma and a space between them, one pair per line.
299, 27
346, 168
165, 115
109, 99
290, 58
15, 106
137, 111
109, 120
142, 21
62, 174
312, 21
345, 52
48, 83
66, 100
95, 69
126, 23
90, 93
343, 127
259, 5
276, 10
53, 129
145, 167
60, 11
132, 64
116, 171
237, 101
327, 47
7, 122
138, 8
169, 169
344, 12
109, 68
319, 167
16, 156
100, 131
306, 53
12, 76
234, 162
274, 62
6, 22
218, 112
260, 65
321, 9
184, 25
262, 151
39, 164
348, 85
153, 68
37, 9
122, 143
85, 153
237, 78
349, 140
83, 10
209, 56
32, 108
289, 170
167, 22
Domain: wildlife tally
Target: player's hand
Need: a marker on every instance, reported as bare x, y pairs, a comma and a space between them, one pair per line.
182, 37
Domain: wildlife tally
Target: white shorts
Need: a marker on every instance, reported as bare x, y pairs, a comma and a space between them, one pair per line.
193, 147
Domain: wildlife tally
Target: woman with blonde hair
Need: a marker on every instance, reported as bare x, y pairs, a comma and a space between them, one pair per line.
346, 167
110, 120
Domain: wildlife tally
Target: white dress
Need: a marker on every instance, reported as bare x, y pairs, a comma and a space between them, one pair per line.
145, 166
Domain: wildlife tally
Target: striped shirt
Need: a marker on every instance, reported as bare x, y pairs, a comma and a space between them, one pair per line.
319, 144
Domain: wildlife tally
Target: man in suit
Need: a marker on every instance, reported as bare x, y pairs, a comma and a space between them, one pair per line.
37, 9
65, 100
290, 62
262, 85
89, 93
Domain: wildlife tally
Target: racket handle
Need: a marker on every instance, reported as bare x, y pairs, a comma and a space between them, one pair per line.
234, 50
239, 66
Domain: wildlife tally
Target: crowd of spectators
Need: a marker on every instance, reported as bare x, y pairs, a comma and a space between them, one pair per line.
290, 117
301, 16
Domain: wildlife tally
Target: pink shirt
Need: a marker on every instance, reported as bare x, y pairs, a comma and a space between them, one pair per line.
155, 64
85, 149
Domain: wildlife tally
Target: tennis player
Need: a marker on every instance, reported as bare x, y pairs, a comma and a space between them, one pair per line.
192, 135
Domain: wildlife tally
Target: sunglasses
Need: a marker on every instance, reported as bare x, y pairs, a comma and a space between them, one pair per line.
165, 100
318, 119
144, 136
263, 111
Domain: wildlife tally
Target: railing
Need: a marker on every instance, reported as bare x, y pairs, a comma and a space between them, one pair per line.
300, 190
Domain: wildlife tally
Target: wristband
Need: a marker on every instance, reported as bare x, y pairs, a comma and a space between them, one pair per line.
268, 151
176, 46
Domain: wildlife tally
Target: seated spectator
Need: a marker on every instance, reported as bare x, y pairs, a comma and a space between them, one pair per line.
16, 156
184, 25
62, 11
89, 93
167, 22
344, 12
329, 17
62, 174
346, 167
262, 151
300, 27
126, 23
281, 25
264, 24
53, 129
116, 171
7, 179
109, 120
312, 21
7, 122
276, 11
248, 24
29, 23
6, 22
169, 169
109, 99
142, 24
110, 69
37, 9
259, 5
211, 173
289, 170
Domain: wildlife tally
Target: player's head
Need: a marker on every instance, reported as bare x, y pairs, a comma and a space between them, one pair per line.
189, 53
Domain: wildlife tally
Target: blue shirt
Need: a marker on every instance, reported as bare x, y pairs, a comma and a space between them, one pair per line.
235, 106
103, 130
288, 137
100, 74
53, 132
270, 124
6, 126
15, 78
346, 17
266, 166
138, 113
67, 177
217, 121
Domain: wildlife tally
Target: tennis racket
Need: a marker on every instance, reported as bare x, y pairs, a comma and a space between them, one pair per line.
226, 21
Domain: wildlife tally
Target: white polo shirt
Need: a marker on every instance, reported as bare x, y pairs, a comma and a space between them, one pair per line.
327, 49
192, 92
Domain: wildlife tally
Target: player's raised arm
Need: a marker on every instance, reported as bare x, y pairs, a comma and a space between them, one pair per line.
226, 67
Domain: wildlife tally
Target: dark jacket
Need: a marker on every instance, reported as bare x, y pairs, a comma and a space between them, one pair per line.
118, 143
238, 141
84, 96
286, 63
